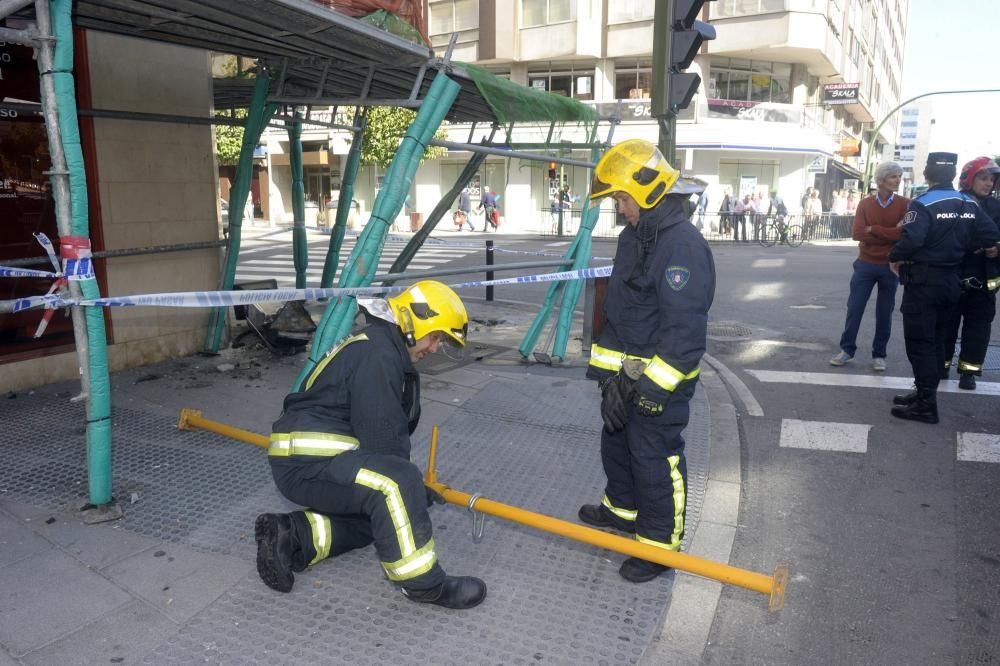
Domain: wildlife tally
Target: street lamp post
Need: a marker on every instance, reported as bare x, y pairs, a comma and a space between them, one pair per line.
871, 144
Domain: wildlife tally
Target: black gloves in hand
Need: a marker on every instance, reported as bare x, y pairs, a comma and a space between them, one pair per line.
433, 497
616, 393
647, 406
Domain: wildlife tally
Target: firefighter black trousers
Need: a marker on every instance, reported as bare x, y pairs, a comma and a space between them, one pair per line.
366, 497
974, 314
927, 310
647, 472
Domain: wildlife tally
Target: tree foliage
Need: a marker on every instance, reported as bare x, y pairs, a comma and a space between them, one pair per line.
229, 138
386, 127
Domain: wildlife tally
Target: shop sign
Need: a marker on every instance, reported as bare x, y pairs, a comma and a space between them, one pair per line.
841, 93
818, 165
849, 146
769, 112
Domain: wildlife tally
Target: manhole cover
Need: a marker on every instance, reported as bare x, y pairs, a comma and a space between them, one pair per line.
729, 331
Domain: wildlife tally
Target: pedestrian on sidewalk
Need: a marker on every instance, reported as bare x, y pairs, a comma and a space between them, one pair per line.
980, 279
465, 208
647, 358
878, 224
939, 227
341, 447
489, 205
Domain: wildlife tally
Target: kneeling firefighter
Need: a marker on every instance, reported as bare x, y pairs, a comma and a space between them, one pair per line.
980, 280
342, 448
647, 357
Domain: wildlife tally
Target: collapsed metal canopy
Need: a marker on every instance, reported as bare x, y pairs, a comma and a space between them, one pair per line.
316, 55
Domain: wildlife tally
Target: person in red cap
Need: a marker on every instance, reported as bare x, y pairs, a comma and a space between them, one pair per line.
980, 281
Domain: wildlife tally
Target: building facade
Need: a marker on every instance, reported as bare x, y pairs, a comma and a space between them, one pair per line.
916, 124
791, 93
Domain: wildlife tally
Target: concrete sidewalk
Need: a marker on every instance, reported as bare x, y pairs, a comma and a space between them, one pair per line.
174, 579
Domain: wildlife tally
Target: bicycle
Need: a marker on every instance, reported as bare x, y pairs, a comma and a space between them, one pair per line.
781, 232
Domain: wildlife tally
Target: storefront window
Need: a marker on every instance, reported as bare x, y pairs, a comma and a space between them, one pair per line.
26, 205
568, 84
634, 82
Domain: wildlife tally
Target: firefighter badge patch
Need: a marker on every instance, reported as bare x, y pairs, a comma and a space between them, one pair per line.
677, 277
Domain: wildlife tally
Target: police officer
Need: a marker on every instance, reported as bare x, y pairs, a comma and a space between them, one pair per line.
342, 448
939, 227
980, 280
647, 357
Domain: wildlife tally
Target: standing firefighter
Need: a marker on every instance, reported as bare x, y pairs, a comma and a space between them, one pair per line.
939, 228
980, 281
342, 448
648, 353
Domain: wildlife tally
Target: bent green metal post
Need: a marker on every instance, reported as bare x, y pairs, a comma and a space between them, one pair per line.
345, 202
300, 252
363, 263
258, 116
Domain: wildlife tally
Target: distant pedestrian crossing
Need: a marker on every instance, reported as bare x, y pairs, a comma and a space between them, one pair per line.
262, 263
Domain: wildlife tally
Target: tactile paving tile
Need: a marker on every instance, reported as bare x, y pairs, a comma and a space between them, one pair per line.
532, 443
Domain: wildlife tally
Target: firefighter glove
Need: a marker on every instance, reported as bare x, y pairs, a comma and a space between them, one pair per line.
615, 393
648, 406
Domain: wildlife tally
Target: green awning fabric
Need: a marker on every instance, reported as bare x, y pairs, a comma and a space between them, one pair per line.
513, 102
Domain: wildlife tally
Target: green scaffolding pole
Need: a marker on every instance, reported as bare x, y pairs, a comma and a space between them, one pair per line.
345, 202
579, 252
258, 116
300, 250
56, 68
363, 262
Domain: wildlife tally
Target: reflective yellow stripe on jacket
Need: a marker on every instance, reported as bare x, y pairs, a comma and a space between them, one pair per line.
657, 370
331, 354
310, 444
609, 359
667, 376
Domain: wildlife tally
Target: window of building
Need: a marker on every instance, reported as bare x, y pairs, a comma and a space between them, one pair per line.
448, 16
622, 11
545, 12
634, 82
579, 85
750, 80
727, 8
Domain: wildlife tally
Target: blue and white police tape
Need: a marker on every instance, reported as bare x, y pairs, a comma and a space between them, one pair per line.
207, 299
26, 272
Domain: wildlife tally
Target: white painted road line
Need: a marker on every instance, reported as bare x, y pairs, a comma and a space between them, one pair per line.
824, 436
978, 447
750, 403
864, 381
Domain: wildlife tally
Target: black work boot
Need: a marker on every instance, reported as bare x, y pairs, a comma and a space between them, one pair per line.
458, 592
637, 570
967, 381
276, 551
943, 373
905, 398
599, 515
923, 409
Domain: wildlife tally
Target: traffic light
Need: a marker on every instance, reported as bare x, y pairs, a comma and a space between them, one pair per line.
552, 170
687, 36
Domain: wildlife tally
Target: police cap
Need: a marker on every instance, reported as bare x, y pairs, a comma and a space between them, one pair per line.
942, 159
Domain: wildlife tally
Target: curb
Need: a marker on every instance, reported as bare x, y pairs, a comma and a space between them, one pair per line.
685, 630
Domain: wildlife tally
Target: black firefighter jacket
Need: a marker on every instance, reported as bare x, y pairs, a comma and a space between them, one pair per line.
656, 306
365, 389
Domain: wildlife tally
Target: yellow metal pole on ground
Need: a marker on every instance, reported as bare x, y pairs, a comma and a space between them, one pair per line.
192, 419
773, 586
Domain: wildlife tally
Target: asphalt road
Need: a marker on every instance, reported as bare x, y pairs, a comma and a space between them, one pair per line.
891, 538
